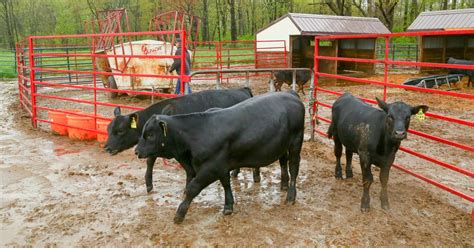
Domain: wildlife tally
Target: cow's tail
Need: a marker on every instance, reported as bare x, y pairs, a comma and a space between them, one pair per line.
331, 130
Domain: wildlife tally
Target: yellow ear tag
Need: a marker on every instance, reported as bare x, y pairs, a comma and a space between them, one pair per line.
134, 123
420, 116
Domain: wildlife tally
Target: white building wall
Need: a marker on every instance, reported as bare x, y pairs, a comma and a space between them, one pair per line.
280, 30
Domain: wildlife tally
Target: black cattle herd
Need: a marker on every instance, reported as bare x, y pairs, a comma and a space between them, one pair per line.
212, 132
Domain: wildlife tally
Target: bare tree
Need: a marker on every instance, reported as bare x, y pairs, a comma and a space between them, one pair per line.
9, 19
233, 22
387, 11
204, 20
362, 6
339, 7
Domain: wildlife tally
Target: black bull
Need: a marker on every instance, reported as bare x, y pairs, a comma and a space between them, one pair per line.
125, 130
253, 133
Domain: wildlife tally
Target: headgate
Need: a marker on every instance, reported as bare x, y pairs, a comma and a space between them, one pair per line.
448, 129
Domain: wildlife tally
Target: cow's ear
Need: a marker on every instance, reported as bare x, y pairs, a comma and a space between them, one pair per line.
117, 111
383, 105
416, 109
164, 127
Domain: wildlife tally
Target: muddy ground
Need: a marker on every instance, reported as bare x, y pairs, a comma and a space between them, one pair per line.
58, 192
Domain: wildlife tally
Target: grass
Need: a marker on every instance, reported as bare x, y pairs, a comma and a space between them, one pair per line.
7, 64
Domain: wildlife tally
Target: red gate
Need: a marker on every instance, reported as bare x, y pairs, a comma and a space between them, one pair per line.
449, 138
52, 94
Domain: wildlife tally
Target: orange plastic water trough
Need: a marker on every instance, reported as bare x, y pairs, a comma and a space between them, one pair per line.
60, 118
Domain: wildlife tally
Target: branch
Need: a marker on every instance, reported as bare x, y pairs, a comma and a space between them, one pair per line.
359, 6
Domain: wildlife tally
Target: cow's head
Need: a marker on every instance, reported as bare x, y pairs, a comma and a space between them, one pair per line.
122, 132
154, 140
398, 117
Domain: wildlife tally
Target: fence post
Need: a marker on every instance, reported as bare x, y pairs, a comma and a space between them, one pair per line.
256, 55
183, 62
393, 54
293, 84
385, 76
32, 83
94, 81
15, 59
314, 100
68, 66
17, 63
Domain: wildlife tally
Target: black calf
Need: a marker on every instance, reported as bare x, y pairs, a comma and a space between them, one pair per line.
372, 133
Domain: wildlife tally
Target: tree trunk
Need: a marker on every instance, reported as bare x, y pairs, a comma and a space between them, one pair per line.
413, 10
204, 20
9, 22
370, 8
223, 14
254, 23
233, 22
406, 16
218, 19
445, 4
240, 17
453, 4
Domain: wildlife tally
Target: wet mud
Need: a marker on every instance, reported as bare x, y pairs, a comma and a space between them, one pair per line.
58, 192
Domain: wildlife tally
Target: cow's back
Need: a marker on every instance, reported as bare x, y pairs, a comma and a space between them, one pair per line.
263, 125
200, 101
356, 123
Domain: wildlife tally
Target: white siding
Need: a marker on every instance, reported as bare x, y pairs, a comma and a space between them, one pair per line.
280, 30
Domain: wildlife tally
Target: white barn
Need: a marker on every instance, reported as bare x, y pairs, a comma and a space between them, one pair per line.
298, 31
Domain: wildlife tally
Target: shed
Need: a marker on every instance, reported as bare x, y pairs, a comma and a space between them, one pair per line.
439, 48
299, 30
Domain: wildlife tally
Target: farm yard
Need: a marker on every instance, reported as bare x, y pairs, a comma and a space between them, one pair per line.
94, 93
58, 192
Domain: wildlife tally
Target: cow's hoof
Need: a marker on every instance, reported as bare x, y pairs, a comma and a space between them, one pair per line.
386, 207
291, 196
228, 210
256, 179
178, 219
290, 201
364, 209
338, 174
349, 174
149, 188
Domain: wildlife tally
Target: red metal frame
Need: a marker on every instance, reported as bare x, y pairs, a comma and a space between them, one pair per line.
386, 85
108, 22
36, 92
175, 20
238, 55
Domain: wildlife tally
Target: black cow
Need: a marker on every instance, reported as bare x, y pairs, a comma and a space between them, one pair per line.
125, 130
253, 133
372, 133
469, 73
280, 77
235, 173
